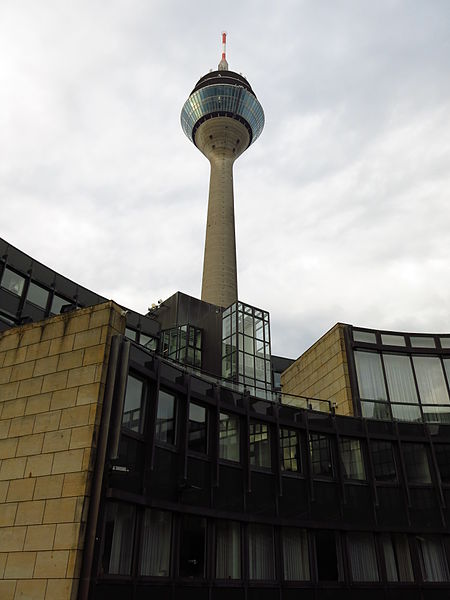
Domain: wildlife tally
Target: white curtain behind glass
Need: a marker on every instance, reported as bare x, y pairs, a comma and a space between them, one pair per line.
295, 555
430, 380
370, 376
400, 378
261, 552
397, 557
122, 516
352, 459
362, 557
156, 535
432, 558
228, 550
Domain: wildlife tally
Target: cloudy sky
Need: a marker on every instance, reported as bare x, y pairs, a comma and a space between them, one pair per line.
342, 205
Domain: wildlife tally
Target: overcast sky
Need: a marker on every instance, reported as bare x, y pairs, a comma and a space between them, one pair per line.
342, 204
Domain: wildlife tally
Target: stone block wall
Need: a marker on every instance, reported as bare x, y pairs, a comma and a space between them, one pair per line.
52, 379
322, 372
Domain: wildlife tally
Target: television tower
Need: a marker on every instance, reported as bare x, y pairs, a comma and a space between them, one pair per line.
222, 117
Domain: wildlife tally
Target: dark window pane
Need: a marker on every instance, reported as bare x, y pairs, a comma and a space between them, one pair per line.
156, 538
295, 554
320, 452
416, 463
326, 555
197, 436
352, 458
260, 445
290, 450
383, 461
228, 550
229, 437
261, 558
133, 413
165, 419
37, 295
118, 539
13, 282
192, 547
363, 560
442, 452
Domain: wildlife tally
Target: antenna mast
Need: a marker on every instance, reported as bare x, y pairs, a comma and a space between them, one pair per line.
223, 65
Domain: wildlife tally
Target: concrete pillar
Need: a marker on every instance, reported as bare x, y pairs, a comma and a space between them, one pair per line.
222, 140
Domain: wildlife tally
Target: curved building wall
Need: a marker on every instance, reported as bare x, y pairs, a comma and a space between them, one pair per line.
217, 494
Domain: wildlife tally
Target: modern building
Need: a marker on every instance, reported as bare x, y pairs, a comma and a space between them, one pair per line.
172, 456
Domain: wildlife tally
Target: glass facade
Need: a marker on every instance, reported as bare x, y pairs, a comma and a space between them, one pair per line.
403, 387
246, 348
222, 100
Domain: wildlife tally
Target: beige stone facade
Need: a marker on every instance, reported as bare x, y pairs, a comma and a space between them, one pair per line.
52, 378
322, 372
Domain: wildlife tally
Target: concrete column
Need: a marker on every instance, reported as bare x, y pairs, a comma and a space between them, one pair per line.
222, 140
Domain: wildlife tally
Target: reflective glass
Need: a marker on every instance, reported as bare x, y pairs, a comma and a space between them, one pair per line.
165, 418
392, 340
422, 342
370, 376
57, 303
229, 447
12, 282
430, 380
364, 336
37, 295
133, 414
400, 378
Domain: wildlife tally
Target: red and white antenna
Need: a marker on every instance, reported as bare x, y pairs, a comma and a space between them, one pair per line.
223, 65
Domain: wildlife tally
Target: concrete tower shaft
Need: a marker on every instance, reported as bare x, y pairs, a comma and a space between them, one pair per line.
221, 140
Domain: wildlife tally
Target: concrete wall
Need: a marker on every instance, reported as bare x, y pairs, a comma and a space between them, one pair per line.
322, 372
52, 378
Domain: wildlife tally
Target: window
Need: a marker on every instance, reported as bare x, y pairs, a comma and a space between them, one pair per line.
320, 452
37, 295
261, 558
416, 463
430, 380
228, 550
442, 452
57, 303
422, 342
229, 447
192, 547
156, 538
400, 378
352, 459
118, 538
197, 435
383, 461
433, 562
133, 408
295, 554
389, 339
363, 560
13, 282
397, 557
327, 556
260, 445
367, 337
165, 418
370, 376
290, 450
130, 334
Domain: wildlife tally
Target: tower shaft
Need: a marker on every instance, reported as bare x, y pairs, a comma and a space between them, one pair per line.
221, 140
